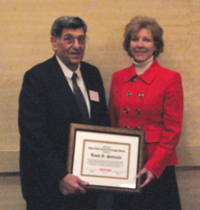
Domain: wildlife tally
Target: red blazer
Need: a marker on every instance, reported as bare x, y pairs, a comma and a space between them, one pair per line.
152, 102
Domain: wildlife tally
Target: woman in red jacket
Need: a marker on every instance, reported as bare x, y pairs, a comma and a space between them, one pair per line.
148, 96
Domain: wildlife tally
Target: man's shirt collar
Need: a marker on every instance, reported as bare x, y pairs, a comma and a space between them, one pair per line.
67, 72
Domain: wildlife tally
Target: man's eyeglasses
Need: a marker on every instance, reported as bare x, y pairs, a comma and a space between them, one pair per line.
69, 39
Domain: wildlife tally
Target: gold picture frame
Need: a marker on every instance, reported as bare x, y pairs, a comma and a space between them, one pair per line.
108, 158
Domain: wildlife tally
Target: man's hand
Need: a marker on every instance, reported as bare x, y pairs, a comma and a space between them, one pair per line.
72, 184
149, 176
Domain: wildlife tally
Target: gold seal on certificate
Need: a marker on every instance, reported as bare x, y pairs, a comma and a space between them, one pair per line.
108, 158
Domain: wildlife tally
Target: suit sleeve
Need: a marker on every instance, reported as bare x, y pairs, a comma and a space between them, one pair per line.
173, 113
35, 144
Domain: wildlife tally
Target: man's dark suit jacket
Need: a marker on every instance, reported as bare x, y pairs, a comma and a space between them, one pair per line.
47, 106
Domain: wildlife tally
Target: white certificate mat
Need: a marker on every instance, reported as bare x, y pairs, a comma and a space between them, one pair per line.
106, 157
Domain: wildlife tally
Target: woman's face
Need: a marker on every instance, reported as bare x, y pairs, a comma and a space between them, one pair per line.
142, 45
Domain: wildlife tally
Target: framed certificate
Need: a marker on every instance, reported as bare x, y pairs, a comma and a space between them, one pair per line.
108, 158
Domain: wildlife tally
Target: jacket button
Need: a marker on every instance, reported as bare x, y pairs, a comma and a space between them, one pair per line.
137, 127
137, 111
141, 95
128, 94
133, 79
126, 127
126, 110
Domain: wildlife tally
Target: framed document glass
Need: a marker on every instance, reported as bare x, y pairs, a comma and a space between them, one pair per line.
108, 158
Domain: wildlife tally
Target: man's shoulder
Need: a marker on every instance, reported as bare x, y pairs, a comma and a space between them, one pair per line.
44, 69
42, 72
88, 66
44, 65
90, 73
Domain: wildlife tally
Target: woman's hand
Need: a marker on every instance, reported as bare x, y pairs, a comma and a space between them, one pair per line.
149, 176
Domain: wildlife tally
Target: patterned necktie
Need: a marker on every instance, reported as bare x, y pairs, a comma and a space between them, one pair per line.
80, 98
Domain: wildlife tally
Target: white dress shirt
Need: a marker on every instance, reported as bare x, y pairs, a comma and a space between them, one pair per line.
80, 82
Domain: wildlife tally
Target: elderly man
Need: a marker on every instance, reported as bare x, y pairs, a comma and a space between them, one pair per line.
55, 93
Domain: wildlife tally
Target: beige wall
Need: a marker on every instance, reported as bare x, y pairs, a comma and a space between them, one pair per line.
25, 28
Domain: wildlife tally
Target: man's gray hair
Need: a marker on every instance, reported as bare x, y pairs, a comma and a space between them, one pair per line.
67, 22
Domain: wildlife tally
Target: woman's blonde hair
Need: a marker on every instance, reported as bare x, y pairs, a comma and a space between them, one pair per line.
139, 22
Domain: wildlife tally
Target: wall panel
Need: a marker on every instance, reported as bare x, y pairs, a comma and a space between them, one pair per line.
25, 33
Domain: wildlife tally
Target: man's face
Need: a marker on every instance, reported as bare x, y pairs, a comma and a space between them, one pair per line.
70, 47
